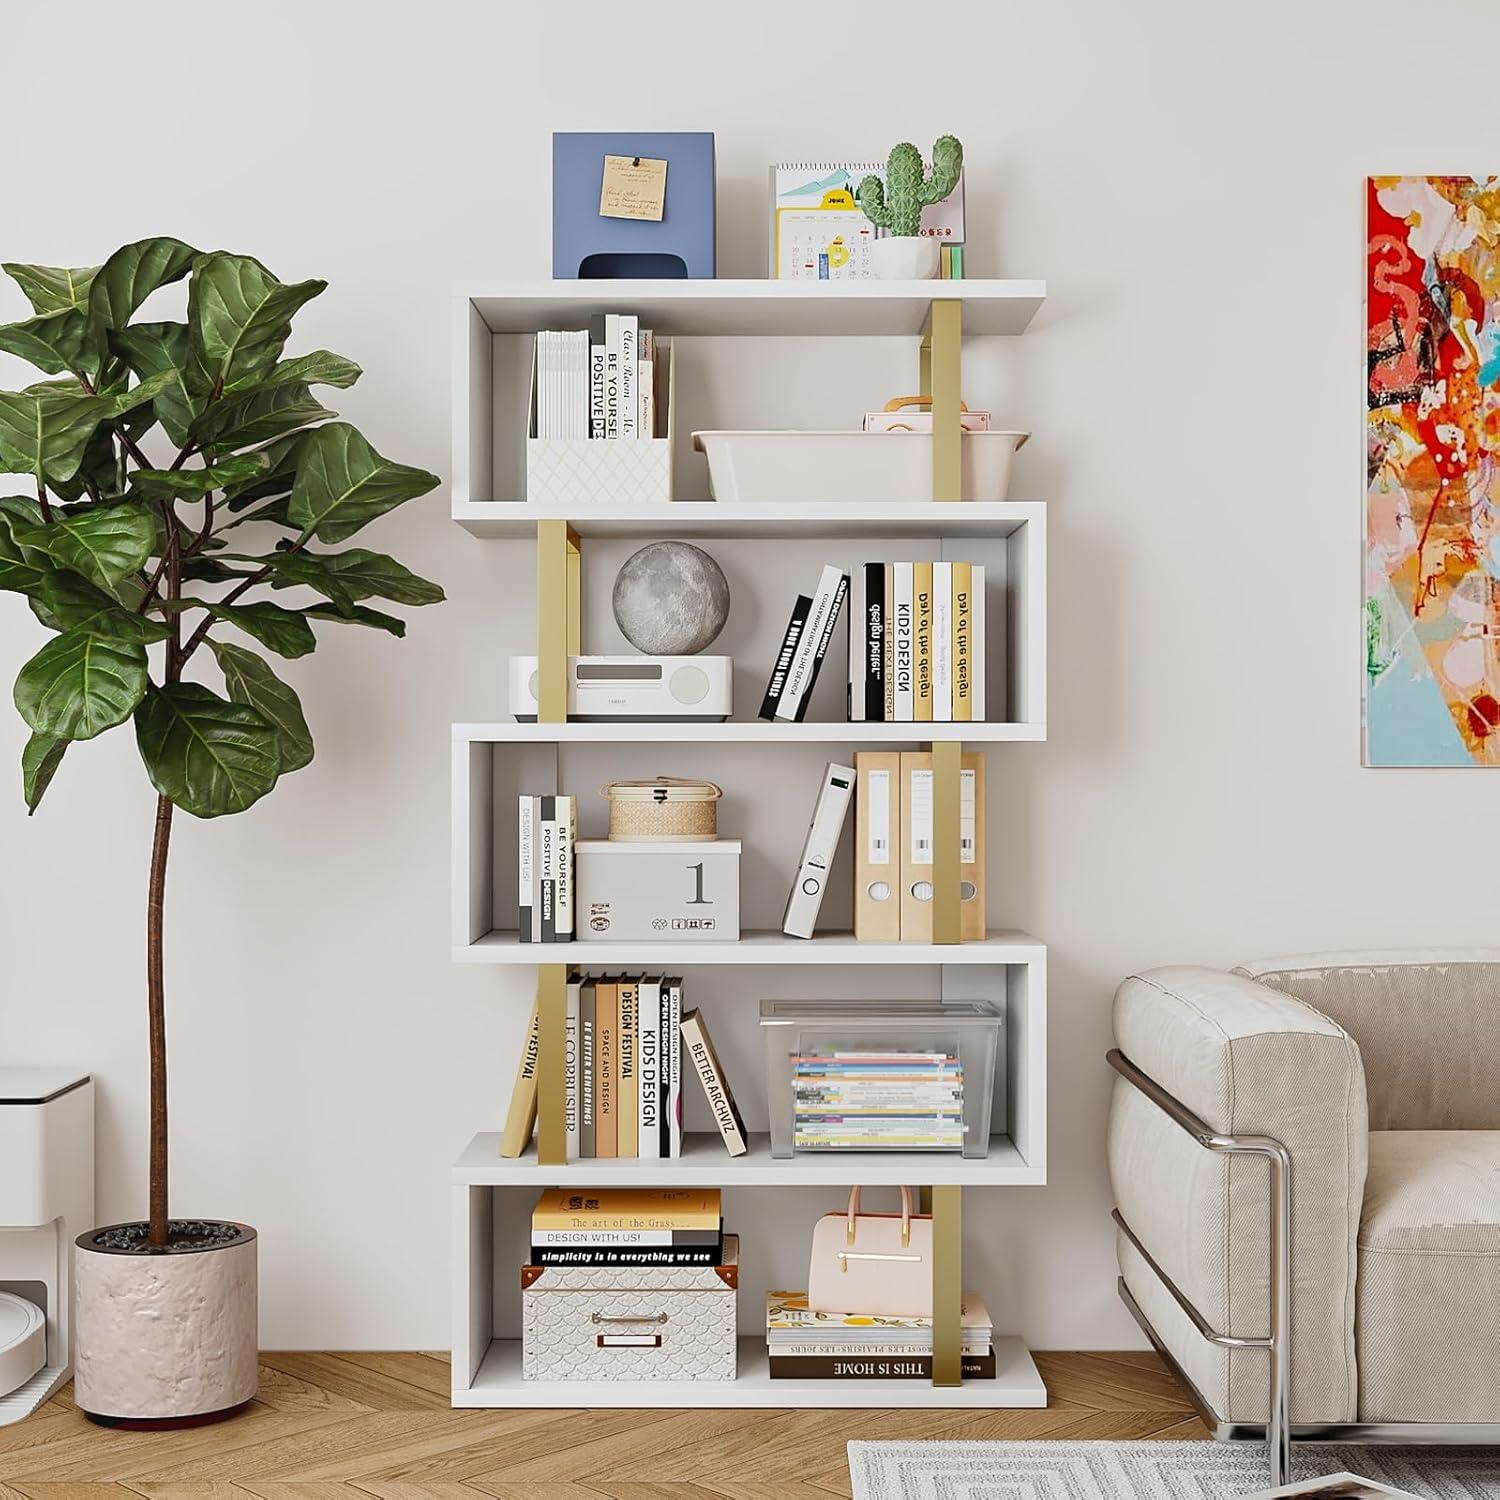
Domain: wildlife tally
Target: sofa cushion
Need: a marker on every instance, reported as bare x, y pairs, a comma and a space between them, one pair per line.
1427, 1323
1425, 1021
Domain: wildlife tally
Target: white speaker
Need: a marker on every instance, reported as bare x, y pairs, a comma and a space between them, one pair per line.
625, 688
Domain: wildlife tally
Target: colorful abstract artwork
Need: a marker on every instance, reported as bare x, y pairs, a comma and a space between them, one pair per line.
1432, 508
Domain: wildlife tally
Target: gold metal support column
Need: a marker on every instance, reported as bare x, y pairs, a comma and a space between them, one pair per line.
558, 616
947, 1284
942, 373
551, 1085
947, 916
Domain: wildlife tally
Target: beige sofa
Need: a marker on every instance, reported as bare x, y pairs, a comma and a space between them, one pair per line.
1371, 1083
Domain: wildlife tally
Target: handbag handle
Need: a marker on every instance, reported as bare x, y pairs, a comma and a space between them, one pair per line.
897, 402
854, 1214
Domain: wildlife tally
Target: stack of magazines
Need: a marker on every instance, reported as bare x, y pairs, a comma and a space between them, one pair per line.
878, 1101
804, 1345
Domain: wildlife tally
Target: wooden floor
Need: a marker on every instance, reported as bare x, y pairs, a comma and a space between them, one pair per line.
380, 1424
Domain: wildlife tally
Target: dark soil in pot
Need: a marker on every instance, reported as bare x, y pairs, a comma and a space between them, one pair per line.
183, 1235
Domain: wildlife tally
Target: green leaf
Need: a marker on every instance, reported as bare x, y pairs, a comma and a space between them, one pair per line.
284, 631
318, 368
64, 601
80, 685
289, 569
147, 390
251, 681
150, 349
239, 317
53, 341
255, 416
359, 615
103, 544
343, 483
44, 432
357, 573
129, 276
39, 762
202, 569
22, 569
283, 455
207, 755
51, 289
169, 483
99, 468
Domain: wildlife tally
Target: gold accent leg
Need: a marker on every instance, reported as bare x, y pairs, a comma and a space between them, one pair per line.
947, 914
551, 1086
947, 1284
559, 573
943, 358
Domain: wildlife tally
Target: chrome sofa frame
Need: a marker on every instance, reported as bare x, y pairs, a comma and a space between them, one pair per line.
1278, 1432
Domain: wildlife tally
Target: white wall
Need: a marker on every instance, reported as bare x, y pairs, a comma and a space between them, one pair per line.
1187, 178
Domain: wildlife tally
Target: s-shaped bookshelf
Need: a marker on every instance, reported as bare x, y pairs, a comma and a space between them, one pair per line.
747, 354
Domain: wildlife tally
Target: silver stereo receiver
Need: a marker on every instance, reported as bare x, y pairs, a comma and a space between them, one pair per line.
695, 688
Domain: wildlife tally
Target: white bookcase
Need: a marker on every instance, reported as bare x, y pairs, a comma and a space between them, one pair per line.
746, 354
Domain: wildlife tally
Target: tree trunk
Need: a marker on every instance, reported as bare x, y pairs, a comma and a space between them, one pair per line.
156, 1007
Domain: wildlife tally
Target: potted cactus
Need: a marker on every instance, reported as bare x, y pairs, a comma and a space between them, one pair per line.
896, 205
136, 465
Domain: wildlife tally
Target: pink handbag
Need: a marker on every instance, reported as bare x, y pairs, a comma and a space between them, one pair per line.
878, 1265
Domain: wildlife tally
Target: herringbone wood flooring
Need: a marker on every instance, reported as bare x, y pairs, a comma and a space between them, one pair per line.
380, 1424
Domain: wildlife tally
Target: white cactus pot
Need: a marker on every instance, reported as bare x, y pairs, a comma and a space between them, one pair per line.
905, 257
165, 1338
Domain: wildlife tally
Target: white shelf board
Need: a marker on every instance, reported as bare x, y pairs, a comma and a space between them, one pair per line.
723, 519
499, 1383
754, 732
752, 948
761, 308
705, 1163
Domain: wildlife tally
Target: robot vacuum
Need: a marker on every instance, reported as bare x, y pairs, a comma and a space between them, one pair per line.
23, 1341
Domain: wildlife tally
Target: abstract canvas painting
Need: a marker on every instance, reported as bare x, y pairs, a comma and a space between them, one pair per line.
1432, 498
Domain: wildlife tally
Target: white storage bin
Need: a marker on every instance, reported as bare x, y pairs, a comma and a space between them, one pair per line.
604, 469
630, 1322
639, 892
856, 466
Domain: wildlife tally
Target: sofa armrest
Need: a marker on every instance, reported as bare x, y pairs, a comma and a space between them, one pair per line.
1248, 1061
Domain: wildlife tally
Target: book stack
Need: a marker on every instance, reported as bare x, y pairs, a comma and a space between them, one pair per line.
951, 267
548, 833
878, 1101
628, 1227
916, 643
627, 1045
804, 1345
598, 382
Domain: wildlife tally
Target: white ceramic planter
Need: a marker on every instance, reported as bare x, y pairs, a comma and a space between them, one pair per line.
905, 257
165, 1338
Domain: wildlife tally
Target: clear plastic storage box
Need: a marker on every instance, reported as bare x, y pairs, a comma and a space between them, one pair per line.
880, 1075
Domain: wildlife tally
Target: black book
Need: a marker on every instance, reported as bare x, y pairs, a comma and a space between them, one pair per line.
546, 852
856, 1366
874, 630
668, 1070
794, 628
627, 1255
840, 593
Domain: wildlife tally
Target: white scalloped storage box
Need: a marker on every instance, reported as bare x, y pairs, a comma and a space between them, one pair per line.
630, 1322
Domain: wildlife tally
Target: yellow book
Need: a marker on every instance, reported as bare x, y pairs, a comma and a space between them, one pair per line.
628, 1208
961, 617
921, 632
627, 1092
521, 1120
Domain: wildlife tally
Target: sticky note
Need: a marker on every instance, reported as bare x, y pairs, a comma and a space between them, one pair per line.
635, 187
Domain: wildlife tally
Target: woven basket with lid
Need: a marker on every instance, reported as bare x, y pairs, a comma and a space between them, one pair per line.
662, 809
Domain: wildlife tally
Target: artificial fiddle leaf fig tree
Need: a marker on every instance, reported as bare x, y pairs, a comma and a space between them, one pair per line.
170, 477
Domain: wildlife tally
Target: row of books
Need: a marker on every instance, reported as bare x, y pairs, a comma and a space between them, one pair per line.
627, 1046
597, 382
548, 834
806, 1345
916, 644
628, 1227
878, 1101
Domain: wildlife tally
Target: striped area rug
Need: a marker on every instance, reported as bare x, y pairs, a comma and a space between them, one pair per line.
1151, 1471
